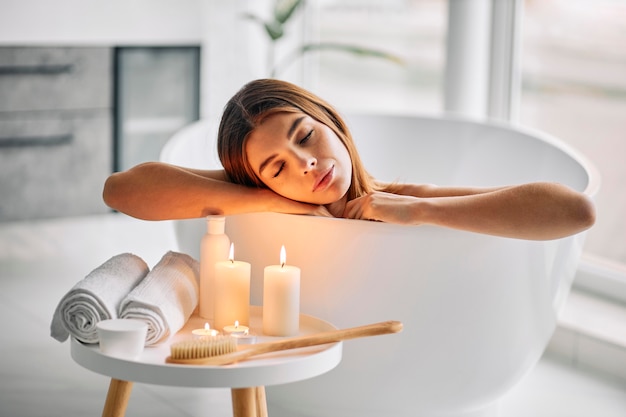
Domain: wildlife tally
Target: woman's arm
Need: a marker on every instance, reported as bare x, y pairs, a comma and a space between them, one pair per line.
159, 191
430, 190
536, 211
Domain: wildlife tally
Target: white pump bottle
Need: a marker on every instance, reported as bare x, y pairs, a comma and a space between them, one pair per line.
214, 247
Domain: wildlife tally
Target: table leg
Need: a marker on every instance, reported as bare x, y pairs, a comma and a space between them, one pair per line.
261, 402
249, 402
117, 398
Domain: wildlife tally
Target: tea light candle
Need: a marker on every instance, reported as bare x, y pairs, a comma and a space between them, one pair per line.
206, 332
281, 298
236, 329
232, 291
245, 339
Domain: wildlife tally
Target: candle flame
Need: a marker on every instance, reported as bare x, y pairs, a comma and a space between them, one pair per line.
207, 326
283, 256
236, 324
231, 253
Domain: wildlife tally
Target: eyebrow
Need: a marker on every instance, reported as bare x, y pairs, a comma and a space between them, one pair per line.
290, 132
266, 163
294, 126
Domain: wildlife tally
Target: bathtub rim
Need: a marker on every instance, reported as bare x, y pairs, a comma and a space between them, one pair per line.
593, 175
206, 125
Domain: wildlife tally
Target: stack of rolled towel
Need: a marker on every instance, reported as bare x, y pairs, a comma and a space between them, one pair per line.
124, 287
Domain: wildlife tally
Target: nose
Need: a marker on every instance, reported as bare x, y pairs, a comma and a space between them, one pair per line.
305, 160
309, 163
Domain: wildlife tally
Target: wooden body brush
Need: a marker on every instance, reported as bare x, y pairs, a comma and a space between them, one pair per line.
224, 350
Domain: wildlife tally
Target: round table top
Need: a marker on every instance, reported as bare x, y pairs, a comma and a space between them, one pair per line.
269, 369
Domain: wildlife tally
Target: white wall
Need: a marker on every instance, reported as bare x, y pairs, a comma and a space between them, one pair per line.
100, 22
234, 49
142, 22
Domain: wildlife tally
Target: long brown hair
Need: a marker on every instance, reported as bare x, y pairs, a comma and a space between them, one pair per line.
262, 98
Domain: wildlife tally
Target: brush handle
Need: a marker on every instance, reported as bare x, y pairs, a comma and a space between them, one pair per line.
298, 342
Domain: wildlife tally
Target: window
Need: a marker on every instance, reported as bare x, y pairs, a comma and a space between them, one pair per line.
574, 87
156, 93
411, 29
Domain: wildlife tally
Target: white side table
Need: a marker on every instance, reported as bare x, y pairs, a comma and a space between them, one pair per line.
247, 379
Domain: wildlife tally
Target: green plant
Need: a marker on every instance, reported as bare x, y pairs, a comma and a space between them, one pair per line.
275, 29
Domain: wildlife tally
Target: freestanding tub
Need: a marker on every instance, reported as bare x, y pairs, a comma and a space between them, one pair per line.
478, 310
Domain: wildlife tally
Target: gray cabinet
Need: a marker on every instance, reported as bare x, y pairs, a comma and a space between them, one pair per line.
55, 131
55, 78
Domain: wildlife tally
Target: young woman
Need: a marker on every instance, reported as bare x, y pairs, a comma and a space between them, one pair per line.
285, 150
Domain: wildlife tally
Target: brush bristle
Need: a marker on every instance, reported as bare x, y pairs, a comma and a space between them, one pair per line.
203, 348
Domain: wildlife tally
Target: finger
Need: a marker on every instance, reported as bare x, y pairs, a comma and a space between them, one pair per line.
347, 211
323, 211
354, 209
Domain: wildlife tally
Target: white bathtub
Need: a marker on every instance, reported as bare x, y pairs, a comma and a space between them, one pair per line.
478, 310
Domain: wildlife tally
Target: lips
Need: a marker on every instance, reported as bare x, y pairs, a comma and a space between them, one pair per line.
324, 179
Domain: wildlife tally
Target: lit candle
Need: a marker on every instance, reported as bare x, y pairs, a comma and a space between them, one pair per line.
240, 333
281, 298
206, 332
232, 291
245, 339
236, 329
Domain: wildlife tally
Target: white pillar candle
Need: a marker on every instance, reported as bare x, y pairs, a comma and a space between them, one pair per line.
281, 298
232, 292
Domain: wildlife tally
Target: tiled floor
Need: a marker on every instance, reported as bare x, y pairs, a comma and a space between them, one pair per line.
40, 261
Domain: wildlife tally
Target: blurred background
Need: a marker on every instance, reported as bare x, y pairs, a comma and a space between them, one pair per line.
102, 85
90, 87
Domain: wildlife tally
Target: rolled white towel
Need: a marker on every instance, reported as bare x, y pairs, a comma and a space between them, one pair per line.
96, 297
166, 298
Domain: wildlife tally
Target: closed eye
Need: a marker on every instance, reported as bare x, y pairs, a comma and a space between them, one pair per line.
302, 141
280, 169
306, 138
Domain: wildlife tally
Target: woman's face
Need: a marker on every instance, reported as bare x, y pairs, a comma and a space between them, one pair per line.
300, 158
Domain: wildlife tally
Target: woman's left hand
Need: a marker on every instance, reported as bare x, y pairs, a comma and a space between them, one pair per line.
383, 207
533, 211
